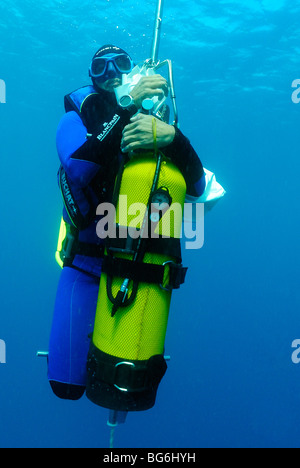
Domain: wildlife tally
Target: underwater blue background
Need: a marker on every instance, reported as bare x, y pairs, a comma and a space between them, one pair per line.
231, 381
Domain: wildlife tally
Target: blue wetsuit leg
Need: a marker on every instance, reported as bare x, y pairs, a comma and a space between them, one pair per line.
73, 322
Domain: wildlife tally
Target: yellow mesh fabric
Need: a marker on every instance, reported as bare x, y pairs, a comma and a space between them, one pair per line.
138, 331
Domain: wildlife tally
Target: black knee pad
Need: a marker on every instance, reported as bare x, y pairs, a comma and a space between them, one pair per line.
67, 391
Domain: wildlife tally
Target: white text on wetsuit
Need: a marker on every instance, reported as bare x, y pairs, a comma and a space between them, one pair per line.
67, 194
108, 127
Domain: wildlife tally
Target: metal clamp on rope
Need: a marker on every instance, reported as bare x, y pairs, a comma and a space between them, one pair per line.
117, 367
132, 377
139, 376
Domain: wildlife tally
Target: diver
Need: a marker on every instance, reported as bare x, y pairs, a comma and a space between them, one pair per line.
91, 138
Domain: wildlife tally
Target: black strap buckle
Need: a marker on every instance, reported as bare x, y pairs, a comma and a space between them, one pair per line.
67, 252
177, 274
146, 272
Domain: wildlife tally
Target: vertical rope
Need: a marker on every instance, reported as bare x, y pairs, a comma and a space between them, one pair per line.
112, 437
154, 131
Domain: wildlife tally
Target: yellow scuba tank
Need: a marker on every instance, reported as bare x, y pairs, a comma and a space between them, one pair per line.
126, 362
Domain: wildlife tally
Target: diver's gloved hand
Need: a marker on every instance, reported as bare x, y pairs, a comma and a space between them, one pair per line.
148, 87
139, 134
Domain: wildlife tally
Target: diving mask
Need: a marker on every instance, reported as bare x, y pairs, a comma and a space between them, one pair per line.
100, 65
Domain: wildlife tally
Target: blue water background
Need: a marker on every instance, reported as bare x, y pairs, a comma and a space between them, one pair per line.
231, 381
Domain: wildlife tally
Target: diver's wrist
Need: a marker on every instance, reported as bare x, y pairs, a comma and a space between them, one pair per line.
127, 102
170, 135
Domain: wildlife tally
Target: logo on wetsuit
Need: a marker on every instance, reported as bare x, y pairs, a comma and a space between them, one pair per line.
108, 127
67, 193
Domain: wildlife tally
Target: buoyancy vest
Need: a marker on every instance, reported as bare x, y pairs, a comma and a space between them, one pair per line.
91, 107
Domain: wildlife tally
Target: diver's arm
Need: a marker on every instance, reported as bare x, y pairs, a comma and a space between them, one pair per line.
83, 156
139, 135
181, 153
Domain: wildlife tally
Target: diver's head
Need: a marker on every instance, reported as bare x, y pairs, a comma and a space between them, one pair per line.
107, 67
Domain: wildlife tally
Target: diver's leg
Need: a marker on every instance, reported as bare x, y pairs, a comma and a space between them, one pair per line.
72, 324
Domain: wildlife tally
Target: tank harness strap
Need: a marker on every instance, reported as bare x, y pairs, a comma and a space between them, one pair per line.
169, 246
127, 375
145, 272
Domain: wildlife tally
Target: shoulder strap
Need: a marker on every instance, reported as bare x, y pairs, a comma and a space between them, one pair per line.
74, 100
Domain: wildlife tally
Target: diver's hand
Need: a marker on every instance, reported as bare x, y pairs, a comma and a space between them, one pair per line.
139, 134
147, 87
